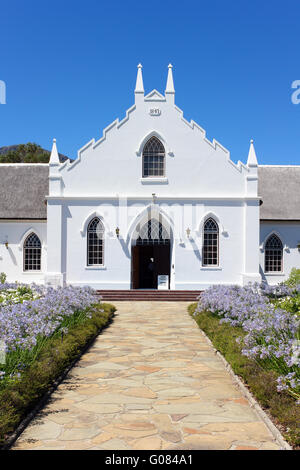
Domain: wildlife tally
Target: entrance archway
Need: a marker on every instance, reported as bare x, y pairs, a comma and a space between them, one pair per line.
150, 255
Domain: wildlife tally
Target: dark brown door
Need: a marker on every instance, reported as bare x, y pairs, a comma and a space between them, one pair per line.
162, 261
147, 268
135, 266
144, 272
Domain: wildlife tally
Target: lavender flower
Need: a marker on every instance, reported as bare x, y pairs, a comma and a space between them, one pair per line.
40, 312
272, 332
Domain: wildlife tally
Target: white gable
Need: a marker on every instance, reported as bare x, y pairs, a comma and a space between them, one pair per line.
113, 164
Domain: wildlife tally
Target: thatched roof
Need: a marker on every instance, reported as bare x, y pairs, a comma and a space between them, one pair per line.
279, 189
23, 190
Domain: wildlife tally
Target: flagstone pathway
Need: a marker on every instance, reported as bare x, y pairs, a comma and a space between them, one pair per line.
150, 381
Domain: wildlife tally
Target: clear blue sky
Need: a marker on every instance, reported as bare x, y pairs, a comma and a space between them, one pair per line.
70, 69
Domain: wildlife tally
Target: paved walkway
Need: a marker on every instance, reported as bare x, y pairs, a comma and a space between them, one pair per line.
150, 381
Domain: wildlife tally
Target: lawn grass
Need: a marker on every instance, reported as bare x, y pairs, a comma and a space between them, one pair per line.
20, 397
281, 407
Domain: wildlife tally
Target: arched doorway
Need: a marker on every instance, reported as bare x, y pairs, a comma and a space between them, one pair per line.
150, 255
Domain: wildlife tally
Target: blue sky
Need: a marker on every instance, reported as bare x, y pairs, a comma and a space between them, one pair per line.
70, 69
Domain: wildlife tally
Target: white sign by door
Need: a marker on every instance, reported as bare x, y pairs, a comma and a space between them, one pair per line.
162, 281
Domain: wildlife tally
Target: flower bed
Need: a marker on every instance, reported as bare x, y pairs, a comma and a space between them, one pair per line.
42, 312
41, 334
262, 382
272, 333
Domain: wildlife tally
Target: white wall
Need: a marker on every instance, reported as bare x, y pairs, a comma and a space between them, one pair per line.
11, 258
200, 179
289, 233
187, 273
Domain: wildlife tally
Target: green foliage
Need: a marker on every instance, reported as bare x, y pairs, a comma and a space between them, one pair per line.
262, 382
57, 353
26, 153
17, 295
2, 278
290, 304
294, 278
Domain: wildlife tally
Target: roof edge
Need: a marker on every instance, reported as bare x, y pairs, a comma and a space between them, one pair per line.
279, 166
23, 164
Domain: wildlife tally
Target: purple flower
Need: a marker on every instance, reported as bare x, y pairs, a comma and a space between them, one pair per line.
272, 333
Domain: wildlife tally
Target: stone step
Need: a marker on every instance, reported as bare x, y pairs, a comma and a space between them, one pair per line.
158, 295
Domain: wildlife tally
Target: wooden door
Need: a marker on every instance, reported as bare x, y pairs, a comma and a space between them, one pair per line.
135, 266
162, 261
146, 276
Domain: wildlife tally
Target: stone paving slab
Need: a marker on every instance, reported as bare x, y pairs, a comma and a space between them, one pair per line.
150, 381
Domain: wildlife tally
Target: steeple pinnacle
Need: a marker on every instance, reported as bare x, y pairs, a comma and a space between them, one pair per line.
170, 82
54, 158
139, 87
252, 159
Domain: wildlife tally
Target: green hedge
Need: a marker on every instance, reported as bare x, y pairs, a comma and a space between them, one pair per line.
19, 398
281, 407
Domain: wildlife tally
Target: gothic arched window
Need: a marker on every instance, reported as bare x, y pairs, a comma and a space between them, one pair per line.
153, 158
273, 254
95, 242
153, 233
210, 252
32, 253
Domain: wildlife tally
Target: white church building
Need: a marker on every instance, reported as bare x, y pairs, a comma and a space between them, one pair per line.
152, 203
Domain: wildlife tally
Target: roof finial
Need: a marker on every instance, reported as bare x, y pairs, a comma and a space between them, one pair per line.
170, 82
252, 159
54, 158
139, 87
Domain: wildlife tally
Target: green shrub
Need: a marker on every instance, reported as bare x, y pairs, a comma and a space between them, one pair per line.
294, 278
2, 278
290, 304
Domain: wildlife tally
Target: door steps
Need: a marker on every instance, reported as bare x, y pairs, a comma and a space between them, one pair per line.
148, 294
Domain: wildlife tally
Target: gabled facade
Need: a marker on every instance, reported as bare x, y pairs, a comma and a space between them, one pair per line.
154, 197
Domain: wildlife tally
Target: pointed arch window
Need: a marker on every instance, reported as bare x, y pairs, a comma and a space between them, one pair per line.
273, 254
95, 243
210, 251
32, 253
153, 158
153, 233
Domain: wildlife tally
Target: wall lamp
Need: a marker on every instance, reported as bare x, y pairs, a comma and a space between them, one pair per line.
117, 232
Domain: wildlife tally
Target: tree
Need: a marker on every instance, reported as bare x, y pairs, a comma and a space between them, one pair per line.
26, 153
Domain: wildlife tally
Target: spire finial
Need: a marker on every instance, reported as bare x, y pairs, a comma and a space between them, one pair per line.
170, 82
139, 87
252, 159
54, 158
